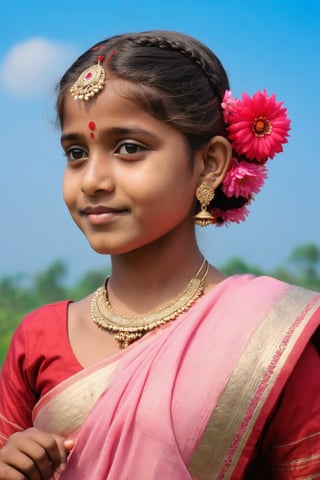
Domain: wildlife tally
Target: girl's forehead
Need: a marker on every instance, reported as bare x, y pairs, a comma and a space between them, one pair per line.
113, 110
115, 100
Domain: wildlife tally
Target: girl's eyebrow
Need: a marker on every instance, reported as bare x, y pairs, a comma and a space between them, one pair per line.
71, 137
129, 130
111, 131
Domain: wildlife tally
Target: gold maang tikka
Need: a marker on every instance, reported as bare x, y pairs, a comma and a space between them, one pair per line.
90, 82
204, 194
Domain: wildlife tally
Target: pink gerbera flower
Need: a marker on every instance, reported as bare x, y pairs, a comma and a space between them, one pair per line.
257, 126
243, 179
235, 215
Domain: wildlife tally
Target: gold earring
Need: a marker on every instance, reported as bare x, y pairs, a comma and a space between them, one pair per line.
204, 194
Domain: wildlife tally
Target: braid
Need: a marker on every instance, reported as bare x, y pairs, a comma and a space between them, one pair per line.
192, 54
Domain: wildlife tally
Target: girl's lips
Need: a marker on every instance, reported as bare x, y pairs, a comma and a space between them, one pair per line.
100, 218
100, 215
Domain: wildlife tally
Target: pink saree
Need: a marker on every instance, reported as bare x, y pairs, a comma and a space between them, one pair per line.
189, 400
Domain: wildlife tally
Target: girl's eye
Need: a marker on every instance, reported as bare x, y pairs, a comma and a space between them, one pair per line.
76, 153
129, 148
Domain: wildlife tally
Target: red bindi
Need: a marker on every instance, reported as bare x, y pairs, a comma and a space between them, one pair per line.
92, 125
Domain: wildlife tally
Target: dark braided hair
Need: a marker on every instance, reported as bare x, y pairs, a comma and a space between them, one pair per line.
172, 76
192, 53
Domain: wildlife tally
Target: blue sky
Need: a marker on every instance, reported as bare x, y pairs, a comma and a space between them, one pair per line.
272, 45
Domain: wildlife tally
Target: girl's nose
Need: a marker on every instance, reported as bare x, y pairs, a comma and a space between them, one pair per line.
97, 175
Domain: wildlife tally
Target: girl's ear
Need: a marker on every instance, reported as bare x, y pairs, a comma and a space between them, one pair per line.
216, 157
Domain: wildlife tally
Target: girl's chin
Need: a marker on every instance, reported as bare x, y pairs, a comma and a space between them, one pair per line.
115, 250
101, 250
108, 250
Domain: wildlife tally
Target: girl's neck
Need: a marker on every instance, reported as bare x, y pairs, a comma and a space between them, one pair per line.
143, 280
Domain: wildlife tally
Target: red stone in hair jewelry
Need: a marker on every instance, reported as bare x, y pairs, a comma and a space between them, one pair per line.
99, 47
114, 53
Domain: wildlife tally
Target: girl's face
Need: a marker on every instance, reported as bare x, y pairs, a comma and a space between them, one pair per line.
128, 180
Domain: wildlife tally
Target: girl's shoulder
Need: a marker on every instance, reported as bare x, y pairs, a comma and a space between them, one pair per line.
45, 320
57, 311
41, 346
46, 315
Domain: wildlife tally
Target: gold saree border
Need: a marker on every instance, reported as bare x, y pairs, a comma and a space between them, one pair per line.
250, 384
79, 396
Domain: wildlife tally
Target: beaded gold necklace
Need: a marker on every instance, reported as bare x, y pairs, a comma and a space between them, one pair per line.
127, 329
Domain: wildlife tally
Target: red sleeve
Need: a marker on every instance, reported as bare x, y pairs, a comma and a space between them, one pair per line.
17, 397
291, 445
39, 357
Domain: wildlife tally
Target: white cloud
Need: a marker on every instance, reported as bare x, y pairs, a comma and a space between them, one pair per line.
33, 67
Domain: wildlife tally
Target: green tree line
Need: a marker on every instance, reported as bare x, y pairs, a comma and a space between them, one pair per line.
21, 294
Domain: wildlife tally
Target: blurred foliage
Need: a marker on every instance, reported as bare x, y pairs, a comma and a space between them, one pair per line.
20, 294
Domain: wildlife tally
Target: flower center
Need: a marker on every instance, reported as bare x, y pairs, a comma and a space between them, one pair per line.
261, 127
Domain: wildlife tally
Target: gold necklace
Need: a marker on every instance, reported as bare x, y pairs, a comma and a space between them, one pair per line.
127, 329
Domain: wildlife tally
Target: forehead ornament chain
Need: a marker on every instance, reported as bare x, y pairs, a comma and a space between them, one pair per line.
90, 82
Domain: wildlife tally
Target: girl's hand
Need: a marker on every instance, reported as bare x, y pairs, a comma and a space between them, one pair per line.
33, 455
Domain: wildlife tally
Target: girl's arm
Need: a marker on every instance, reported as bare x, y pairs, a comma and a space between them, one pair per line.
17, 395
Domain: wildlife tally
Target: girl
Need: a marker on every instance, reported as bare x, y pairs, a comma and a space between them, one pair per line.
170, 370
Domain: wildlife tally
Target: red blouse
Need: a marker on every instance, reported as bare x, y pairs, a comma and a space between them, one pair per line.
39, 357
